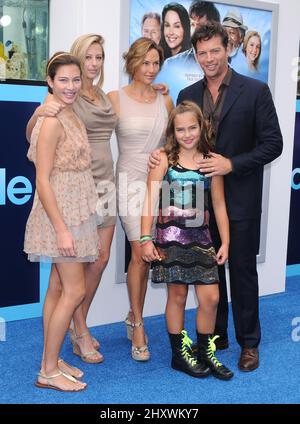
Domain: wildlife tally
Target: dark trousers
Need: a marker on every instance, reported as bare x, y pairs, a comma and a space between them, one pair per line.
244, 246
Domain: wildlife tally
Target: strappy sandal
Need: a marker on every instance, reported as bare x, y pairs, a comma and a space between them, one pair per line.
129, 329
140, 353
76, 372
86, 356
50, 386
96, 343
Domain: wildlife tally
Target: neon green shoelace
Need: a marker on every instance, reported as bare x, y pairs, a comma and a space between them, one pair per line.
211, 351
186, 344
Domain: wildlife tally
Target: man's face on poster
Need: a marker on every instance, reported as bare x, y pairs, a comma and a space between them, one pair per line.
151, 29
234, 38
197, 21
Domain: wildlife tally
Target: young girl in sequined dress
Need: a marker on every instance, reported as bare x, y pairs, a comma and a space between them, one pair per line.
182, 251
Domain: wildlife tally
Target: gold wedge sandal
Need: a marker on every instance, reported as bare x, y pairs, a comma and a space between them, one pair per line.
140, 353
96, 344
129, 329
86, 356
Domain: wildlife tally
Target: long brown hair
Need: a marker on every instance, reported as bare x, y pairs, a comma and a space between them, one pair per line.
205, 141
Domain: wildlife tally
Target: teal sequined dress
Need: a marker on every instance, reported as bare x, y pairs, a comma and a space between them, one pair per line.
182, 232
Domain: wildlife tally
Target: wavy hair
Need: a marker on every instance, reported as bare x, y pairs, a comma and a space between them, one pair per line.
137, 52
204, 146
207, 31
248, 35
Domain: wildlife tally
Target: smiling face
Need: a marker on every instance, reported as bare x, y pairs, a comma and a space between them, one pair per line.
66, 83
149, 69
151, 29
253, 48
187, 131
212, 57
234, 38
93, 61
173, 31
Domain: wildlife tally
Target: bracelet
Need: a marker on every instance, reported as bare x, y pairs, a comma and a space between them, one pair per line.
145, 238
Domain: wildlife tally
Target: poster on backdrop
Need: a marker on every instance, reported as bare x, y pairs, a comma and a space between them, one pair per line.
249, 31
252, 31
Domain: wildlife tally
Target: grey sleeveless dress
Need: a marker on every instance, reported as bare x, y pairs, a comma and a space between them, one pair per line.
140, 130
100, 121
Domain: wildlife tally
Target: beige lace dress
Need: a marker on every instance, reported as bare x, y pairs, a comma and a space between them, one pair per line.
74, 188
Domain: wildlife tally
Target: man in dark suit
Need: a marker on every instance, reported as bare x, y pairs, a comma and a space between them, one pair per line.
247, 136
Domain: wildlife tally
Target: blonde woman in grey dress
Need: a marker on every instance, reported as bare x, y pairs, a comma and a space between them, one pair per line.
95, 110
142, 119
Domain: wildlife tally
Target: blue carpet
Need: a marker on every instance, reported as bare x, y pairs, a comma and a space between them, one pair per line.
120, 380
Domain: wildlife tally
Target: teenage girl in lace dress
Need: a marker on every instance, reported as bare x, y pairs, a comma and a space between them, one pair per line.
62, 225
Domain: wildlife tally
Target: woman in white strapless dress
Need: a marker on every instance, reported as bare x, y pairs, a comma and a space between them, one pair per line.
142, 120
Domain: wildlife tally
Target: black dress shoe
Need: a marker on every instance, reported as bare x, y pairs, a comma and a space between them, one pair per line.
249, 359
221, 344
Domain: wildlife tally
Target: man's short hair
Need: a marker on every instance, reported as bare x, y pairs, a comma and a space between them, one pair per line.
151, 15
208, 31
204, 8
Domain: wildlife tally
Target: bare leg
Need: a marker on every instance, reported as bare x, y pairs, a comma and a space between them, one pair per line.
52, 297
208, 298
137, 277
53, 294
94, 271
175, 308
73, 290
93, 274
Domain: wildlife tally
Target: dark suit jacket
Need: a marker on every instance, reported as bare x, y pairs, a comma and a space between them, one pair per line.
248, 134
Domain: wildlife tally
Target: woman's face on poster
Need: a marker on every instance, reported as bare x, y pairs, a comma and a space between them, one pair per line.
253, 48
173, 31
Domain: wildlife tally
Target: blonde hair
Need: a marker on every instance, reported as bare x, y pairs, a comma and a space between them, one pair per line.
205, 141
81, 46
248, 35
137, 53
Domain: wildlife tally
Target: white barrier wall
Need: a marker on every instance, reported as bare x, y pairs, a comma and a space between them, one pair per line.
71, 18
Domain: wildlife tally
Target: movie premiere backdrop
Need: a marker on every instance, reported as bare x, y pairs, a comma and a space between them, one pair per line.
23, 57
182, 69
